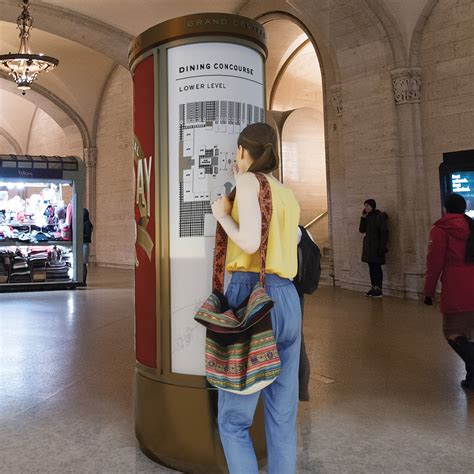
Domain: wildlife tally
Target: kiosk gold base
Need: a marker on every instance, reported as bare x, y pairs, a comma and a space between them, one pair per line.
177, 426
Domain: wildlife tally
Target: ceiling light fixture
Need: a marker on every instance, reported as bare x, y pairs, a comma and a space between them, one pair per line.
24, 66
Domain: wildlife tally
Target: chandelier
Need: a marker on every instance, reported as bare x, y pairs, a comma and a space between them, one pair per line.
24, 66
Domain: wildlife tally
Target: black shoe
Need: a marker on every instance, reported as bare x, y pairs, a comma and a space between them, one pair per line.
376, 292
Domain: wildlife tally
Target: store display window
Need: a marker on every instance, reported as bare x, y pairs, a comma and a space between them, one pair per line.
39, 232
35, 232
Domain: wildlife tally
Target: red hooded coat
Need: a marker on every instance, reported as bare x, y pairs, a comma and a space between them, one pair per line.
446, 253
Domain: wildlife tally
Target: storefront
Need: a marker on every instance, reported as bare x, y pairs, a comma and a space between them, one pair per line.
41, 202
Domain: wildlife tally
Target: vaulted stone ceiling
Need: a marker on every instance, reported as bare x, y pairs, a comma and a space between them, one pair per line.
135, 16
83, 71
13, 115
406, 14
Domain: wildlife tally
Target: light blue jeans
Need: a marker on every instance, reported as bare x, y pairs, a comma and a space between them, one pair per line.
235, 412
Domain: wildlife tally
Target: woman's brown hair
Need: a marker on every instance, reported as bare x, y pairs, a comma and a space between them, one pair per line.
260, 141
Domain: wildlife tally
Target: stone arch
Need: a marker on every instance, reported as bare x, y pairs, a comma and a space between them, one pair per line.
11, 140
356, 56
415, 46
64, 115
101, 99
391, 29
316, 28
283, 69
327, 62
265, 12
326, 56
291, 114
304, 161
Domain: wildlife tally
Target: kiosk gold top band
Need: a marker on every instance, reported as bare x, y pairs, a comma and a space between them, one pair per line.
200, 24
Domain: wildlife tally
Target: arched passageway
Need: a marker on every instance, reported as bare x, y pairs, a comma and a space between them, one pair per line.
295, 103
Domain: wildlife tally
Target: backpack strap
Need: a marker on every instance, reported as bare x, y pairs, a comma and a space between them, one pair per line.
220, 250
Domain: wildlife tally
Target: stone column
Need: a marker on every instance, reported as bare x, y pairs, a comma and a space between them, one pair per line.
90, 162
413, 210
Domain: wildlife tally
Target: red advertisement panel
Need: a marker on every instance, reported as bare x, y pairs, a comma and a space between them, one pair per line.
144, 163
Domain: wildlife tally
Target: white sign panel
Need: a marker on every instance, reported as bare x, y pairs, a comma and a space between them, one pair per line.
214, 91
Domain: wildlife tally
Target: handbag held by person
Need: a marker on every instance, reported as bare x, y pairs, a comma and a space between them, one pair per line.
241, 354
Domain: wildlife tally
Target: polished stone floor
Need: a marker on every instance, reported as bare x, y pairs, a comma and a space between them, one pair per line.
385, 395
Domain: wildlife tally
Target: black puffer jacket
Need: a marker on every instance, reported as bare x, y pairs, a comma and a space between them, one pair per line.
375, 228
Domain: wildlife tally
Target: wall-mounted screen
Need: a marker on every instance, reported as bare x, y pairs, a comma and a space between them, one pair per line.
462, 182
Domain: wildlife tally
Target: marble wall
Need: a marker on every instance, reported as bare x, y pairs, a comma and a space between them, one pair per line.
114, 237
46, 137
447, 89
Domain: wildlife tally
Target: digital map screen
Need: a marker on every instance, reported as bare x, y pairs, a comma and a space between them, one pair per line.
462, 182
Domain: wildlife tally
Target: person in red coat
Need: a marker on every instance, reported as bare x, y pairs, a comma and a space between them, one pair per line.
451, 256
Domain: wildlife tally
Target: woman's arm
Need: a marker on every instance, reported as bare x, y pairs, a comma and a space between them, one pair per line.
383, 221
435, 260
247, 233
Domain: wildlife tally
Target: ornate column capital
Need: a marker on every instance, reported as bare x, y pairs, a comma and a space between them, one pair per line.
406, 83
90, 157
336, 99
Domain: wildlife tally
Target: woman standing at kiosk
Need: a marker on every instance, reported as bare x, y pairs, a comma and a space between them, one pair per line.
257, 153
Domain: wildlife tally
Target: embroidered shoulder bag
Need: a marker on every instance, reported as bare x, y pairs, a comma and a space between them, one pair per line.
241, 354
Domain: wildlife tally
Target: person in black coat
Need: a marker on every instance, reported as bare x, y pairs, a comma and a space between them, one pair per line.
373, 224
86, 242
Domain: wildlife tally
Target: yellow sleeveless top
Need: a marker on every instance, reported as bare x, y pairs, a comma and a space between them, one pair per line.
282, 239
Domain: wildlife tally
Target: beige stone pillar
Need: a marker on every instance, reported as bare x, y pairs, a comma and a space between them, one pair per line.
90, 162
413, 211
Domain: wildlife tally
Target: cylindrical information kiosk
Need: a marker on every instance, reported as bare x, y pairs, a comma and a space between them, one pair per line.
198, 81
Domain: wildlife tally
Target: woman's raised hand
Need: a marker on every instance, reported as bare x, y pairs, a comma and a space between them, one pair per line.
221, 207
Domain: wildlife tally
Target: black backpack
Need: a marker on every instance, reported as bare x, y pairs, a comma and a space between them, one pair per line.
309, 265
